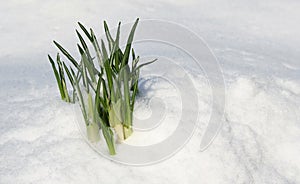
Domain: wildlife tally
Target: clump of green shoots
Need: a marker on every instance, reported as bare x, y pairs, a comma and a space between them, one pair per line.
106, 94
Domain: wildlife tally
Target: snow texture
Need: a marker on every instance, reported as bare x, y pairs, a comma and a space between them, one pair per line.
256, 42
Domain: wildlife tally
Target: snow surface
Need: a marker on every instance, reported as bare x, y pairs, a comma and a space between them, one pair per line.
257, 44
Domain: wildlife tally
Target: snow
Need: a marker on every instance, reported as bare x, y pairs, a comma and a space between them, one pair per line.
256, 43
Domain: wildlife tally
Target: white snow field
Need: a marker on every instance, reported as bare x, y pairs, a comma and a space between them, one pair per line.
256, 42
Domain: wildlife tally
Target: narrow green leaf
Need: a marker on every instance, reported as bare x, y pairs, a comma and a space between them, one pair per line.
97, 94
92, 84
81, 51
133, 54
58, 80
108, 37
135, 62
117, 40
62, 78
135, 90
84, 45
109, 77
105, 56
117, 85
129, 42
84, 73
86, 49
90, 67
114, 56
80, 98
128, 112
73, 61
86, 32
105, 94
69, 74
117, 61
144, 64
97, 48
109, 138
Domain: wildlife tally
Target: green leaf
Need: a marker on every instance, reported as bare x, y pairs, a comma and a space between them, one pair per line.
58, 80
73, 61
117, 40
135, 62
86, 49
62, 78
128, 112
84, 45
86, 32
109, 76
114, 55
105, 94
84, 73
109, 138
144, 64
108, 37
69, 74
129, 42
97, 48
135, 91
133, 54
97, 94
94, 41
117, 85
71, 81
105, 55
80, 97
90, 67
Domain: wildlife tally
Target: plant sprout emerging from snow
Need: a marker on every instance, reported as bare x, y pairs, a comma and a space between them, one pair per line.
106, 94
